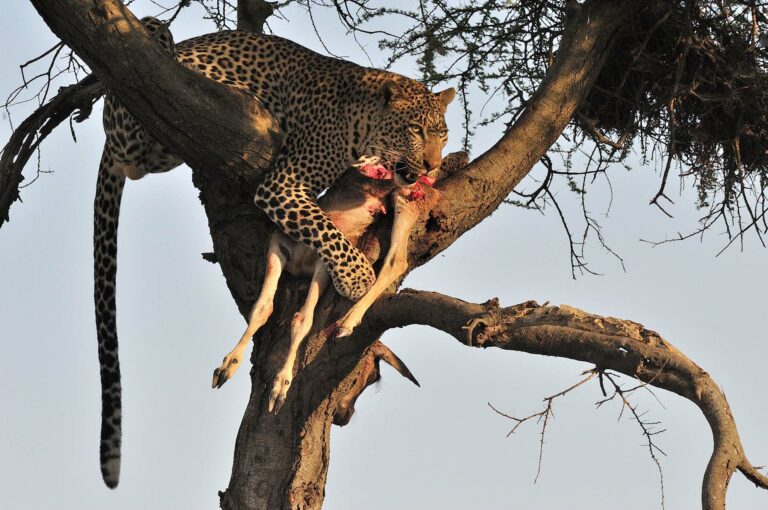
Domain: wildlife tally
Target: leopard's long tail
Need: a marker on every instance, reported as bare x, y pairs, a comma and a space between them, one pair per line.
106, 212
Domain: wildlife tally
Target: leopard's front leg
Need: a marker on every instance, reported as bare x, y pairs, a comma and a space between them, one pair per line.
292, 205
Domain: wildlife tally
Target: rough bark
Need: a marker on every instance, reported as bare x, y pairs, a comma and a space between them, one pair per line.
281, 462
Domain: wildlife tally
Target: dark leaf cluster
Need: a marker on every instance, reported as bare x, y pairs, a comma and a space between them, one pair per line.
688, 79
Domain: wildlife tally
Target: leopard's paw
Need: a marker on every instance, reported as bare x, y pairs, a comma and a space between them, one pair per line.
353, 275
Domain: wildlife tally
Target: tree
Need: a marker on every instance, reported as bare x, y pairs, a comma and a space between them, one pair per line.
577, 81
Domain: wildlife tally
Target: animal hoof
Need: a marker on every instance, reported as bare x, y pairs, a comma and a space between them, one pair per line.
219, 378
278, 394
275, 405
225, 372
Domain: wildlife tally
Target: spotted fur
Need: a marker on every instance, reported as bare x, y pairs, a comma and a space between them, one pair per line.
126, 143
330, 111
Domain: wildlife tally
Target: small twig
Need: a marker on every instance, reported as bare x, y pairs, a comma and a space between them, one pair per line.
647, 427
543, 416
672, 121
577, 261
182, 4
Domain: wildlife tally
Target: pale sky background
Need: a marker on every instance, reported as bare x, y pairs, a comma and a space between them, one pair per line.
439, 446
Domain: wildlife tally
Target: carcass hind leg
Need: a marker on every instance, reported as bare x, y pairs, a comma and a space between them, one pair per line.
260, 312
300, 326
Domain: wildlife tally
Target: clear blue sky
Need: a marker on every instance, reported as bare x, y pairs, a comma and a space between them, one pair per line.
439, 446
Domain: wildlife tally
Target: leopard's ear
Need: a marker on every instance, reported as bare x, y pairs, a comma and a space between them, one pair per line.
447, 96
391, 92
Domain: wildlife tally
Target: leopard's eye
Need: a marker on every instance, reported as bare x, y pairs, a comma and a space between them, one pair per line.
416, 129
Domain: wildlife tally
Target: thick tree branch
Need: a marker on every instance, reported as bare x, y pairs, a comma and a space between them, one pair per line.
221, 132
214, 127
252, 14
616, 344
210, 126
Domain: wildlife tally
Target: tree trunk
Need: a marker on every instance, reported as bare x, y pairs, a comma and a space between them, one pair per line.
282, 462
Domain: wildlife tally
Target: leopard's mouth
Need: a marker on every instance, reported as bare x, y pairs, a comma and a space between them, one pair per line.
405, 172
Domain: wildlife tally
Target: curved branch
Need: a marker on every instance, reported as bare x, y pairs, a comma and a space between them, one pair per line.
281, 462
610, 343
30, 134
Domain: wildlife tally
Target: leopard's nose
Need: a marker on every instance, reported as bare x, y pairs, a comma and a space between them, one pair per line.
431, 164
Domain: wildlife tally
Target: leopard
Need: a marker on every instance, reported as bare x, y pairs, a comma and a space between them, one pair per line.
330, 111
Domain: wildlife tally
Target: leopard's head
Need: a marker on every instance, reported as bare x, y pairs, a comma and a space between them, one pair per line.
412, 132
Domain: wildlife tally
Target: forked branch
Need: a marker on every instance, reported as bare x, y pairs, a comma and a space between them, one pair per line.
647, 427
544, 415
609, 343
